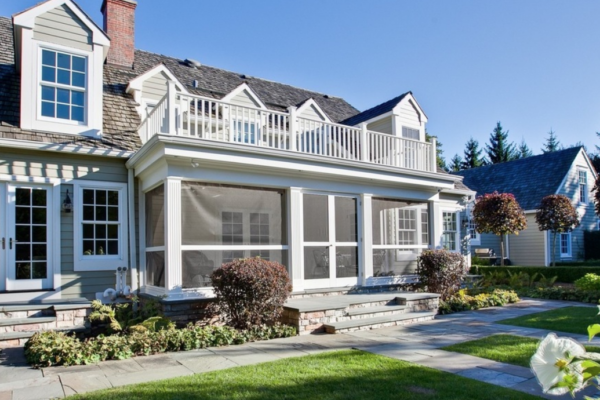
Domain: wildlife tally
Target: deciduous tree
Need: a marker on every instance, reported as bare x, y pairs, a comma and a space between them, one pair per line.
500, 214
557, 215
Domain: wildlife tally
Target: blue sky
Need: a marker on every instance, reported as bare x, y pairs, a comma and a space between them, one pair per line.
533, 65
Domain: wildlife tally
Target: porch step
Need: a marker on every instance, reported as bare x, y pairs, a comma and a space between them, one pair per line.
367, 312
15, 339
26, 321
25, 308
379, 322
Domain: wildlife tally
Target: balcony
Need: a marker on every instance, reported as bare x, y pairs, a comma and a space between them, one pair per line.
209, 119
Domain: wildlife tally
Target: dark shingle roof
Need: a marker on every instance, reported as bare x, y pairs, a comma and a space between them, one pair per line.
375, 111
529, 179
120, 117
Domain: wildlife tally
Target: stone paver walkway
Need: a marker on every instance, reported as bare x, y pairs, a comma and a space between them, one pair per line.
419, 343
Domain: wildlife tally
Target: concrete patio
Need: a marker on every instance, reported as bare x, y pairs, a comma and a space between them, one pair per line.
419, 343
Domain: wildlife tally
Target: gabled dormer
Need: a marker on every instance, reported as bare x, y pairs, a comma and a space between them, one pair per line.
60, 54
401, 116
311, 110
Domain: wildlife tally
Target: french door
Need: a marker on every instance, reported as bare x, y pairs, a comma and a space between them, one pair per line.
330, 241
26, 237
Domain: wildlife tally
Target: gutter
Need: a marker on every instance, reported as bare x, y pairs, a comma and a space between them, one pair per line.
64, 148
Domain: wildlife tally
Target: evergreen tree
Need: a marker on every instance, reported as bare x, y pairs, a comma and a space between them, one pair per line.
441, 162
523, 151
552, 143
473, 157
499, 150
455, 163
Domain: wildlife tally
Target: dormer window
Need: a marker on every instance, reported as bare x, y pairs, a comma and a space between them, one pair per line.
63, 83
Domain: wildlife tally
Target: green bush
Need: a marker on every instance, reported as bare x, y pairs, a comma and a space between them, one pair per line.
251, 291
471, 299
50, 348
588, 282
563, 274
560, 293
441, 271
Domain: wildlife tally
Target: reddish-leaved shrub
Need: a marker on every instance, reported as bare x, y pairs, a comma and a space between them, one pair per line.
251, 291
441, 271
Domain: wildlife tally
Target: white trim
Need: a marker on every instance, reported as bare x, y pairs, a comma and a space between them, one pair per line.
376, 118
307, 104
64, 148
191, 247
568, 254
137, 83
99, 263
409, 96
133, 265
244, 86
546, 251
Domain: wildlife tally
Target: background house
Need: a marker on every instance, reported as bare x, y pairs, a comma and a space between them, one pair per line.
568, 172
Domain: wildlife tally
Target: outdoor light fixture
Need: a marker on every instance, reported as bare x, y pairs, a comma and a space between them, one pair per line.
195, 163
67, 205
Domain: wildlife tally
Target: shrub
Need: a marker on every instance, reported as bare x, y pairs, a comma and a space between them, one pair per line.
563, 274
588, 282
49, 348
560, 293
465, 300
118, 317
251, 291
441, 271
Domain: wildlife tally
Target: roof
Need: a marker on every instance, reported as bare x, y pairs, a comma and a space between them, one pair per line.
528, 179
120, 116
375, 111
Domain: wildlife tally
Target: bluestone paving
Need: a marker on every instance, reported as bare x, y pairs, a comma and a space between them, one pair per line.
419, 343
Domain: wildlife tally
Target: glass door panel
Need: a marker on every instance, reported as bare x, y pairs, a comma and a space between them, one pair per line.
28, 242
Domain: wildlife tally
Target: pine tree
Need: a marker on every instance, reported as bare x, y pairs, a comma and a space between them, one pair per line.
499, 150
473, 157
455, 163
552, 143
523, 151
441, 162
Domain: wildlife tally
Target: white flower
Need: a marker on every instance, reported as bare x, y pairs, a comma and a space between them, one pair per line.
552, 362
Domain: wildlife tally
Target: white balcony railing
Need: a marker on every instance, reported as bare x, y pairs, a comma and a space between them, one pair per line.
205, 118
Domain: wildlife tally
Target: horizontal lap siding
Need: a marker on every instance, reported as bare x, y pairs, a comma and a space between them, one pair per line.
488, 241
311, 113
64, 166
62, 27
383, 125
408, 117
527, 248
155, 88
244, 99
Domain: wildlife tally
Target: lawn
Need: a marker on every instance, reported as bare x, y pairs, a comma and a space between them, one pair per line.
568, 319
348, 374
510, 349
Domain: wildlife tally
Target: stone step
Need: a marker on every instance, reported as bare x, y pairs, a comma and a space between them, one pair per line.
390, 301
367, 312
27, 324
14, 339
25, 308
379, 322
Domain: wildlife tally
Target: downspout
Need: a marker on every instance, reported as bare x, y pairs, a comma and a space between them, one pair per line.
132, 238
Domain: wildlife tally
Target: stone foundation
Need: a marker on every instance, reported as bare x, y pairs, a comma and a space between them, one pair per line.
185, 311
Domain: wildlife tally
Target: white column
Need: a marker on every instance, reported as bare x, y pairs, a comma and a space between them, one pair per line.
433, 154
437, 228
173, 264
293, 123
366, 238
296, 230
364, 153
171, 91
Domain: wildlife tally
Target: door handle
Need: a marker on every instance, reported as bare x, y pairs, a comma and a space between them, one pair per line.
10, 243
3, 243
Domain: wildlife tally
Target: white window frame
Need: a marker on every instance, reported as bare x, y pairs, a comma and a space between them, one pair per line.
455, 232
475, 237
569, 251
99, 262
408, 128
582, 186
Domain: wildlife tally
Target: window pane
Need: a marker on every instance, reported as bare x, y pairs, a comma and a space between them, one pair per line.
77, 98
38, 252
48, 93
78, 79
316, 218
390, 262
113, 198
78, 64
345, 219
113, 231
346, 262
38, 197
88, 213
48, 109
63, 77
88, 247
48, 57
62, 111
22, 252
48, 74
39, 216
100, 231
39, 270
88, 231
207, 209
22, 215
155, 207
39, 233
100, 197
64, 60
155, 268
316, 262
100, 213
113, 213
23, 270
62, 95
100, 247
23, 233
77, 114
394, 222
88, 196
23, 197
112, 247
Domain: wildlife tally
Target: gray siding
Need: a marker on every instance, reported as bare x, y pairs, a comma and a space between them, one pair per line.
488, 241
61, 26
383, 125
408, 117
311, 113
527, 248
155, 88
244, 99
64, 166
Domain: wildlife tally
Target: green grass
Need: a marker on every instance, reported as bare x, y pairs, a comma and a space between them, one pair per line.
510, 349
568, 319
348, 374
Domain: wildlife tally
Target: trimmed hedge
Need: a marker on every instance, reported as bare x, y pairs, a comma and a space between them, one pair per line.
563, 274
48, 348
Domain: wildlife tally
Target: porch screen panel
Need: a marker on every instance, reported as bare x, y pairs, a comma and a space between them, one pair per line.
221, 223
155, 236
400, 233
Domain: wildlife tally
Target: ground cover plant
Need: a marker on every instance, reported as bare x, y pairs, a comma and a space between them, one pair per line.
349, 374
475, 299
510, 349
568, 319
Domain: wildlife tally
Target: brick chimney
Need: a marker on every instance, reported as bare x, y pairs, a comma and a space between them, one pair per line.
119, 24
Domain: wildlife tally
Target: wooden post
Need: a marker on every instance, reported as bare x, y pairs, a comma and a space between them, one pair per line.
433, 155
293, 127
364, 153
171, 97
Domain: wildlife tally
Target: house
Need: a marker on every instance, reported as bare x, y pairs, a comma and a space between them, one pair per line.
568, 172
116, 161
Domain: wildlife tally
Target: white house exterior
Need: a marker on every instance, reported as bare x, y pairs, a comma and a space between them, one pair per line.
119, 158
